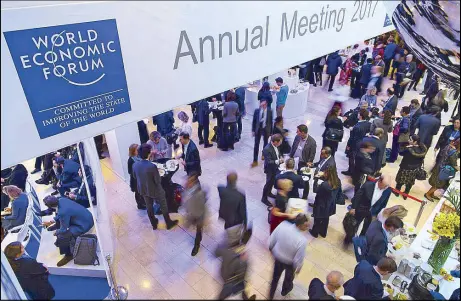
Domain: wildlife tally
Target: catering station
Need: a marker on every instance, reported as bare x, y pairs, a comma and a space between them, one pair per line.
424, 263
296, 103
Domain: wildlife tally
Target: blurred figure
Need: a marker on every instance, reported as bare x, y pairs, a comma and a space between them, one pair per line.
186, 126
367, 281
288, 246
32, 275
278, 212
232, 206
230, 115
318, 290
234, 266
195, 202
363, 165
240, 93
380, 149
357, 133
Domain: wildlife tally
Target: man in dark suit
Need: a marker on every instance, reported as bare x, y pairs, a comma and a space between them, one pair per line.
377, 238
69, 177
380, 149
190, 157
290, 174
272, 160
357, 133
203, 119
149, 186
365, 75
428, 126
363, 164
232, 206
369, 200
304, 148
415, 112
164, 122
367, 282
391, 103
318, 290
261, 127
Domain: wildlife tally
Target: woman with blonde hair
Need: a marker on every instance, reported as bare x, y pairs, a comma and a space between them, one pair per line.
397, 210
278, 215
17, 209
133, 158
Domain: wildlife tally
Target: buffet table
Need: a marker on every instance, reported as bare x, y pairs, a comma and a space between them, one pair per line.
419, 244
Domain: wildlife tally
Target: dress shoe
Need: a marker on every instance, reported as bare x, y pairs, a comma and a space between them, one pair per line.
316, 235
36, 171
231, 147
324, 236
65, 260
142, 207
41, 182
171, 224
266, 202
208, 145
213, 139
224, 149
346, 173
154, 227
201, 142
315, 85
329, 90
195, 250
422, 93
254, 164
414, 89
436, 198
55, 193
284, 293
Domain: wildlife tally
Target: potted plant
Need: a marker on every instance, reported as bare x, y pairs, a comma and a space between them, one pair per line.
446, 225
453, 198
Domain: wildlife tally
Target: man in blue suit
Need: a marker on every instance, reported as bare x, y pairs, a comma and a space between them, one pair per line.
71, 217
164, 122
367, 282
190, 155
389, 53
377, 237
391, 103
365, 75
203, 118
69, 177
319, 291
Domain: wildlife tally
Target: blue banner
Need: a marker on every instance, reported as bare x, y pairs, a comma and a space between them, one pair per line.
72, 75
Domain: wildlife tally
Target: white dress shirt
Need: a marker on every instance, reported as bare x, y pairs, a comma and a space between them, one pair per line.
277, 154
377, 193
288, 244
325, 287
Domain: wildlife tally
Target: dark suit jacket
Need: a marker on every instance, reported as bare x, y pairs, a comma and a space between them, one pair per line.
308, 153
362, 199
365, 74
391, 105
444, 138
330, 162
73, 217
316, 289
17, 176
428, 126
414, 118
377, 155
366, 284
297, 180
33, 277
203, 112
69, 176
376, 243
270, 156
192, 159
357, 133
323, 199
232, 206
148, 179
255, 124
363, 165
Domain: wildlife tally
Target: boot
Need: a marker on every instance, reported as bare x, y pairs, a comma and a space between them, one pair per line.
195, 250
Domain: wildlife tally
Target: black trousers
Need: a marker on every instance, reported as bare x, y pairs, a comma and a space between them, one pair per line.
270, 182
204, 132
387, 66
306, 183
198, 235
38, 162
365, 216
150, 210
258, 135
229, 132
139, 200
351, 161
332, 81
416, 78
287, 286
320, 226
98, 141
239, 127
230, 289
318, 77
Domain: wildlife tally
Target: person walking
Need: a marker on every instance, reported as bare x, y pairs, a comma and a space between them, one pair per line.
149, 186
358, 132
230, 115
324, 201
282, 95
232, 205
195, 199
446, 159
240, 93
413, 159
385, 122
334, 130
261, 128
419, 73
272, 160
363, 165
428, 126
365, 75
288, 247
333, 62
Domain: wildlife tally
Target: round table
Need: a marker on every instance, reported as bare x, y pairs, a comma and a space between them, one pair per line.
168, 185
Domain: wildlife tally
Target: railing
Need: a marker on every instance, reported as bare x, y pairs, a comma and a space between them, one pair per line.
116, 292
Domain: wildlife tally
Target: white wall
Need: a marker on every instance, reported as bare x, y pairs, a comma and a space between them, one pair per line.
149, 33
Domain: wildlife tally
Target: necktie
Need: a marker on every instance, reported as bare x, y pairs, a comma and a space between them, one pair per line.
262, 119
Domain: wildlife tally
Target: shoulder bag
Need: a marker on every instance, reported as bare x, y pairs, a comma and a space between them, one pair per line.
421, 173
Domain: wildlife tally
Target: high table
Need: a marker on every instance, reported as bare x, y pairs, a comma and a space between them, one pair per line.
446, 288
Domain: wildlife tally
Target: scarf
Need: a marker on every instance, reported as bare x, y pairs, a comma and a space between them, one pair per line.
136, 158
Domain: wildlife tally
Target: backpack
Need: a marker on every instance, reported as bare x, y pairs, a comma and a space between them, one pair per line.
85, 250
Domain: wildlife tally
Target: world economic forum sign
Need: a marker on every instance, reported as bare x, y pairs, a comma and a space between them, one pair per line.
72, 75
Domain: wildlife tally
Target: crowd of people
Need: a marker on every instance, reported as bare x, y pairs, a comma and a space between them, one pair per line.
288, 169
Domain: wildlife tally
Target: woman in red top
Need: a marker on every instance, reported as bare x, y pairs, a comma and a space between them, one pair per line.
278, 214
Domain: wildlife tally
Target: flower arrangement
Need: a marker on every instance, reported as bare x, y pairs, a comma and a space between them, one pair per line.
446, 225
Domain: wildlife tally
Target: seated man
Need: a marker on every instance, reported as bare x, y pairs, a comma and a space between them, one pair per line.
377, 238
80, 195
68, 177
289, 174
367, 282
71, 221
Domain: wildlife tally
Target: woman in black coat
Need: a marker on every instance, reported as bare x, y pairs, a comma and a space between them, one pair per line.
32, 276
412, 161
265, 93
133, 153
334, 130
363, 164
324, 200
450, 133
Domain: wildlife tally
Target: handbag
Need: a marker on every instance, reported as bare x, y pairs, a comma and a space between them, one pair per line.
446, 173
64, 239
334, 134
421, 173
